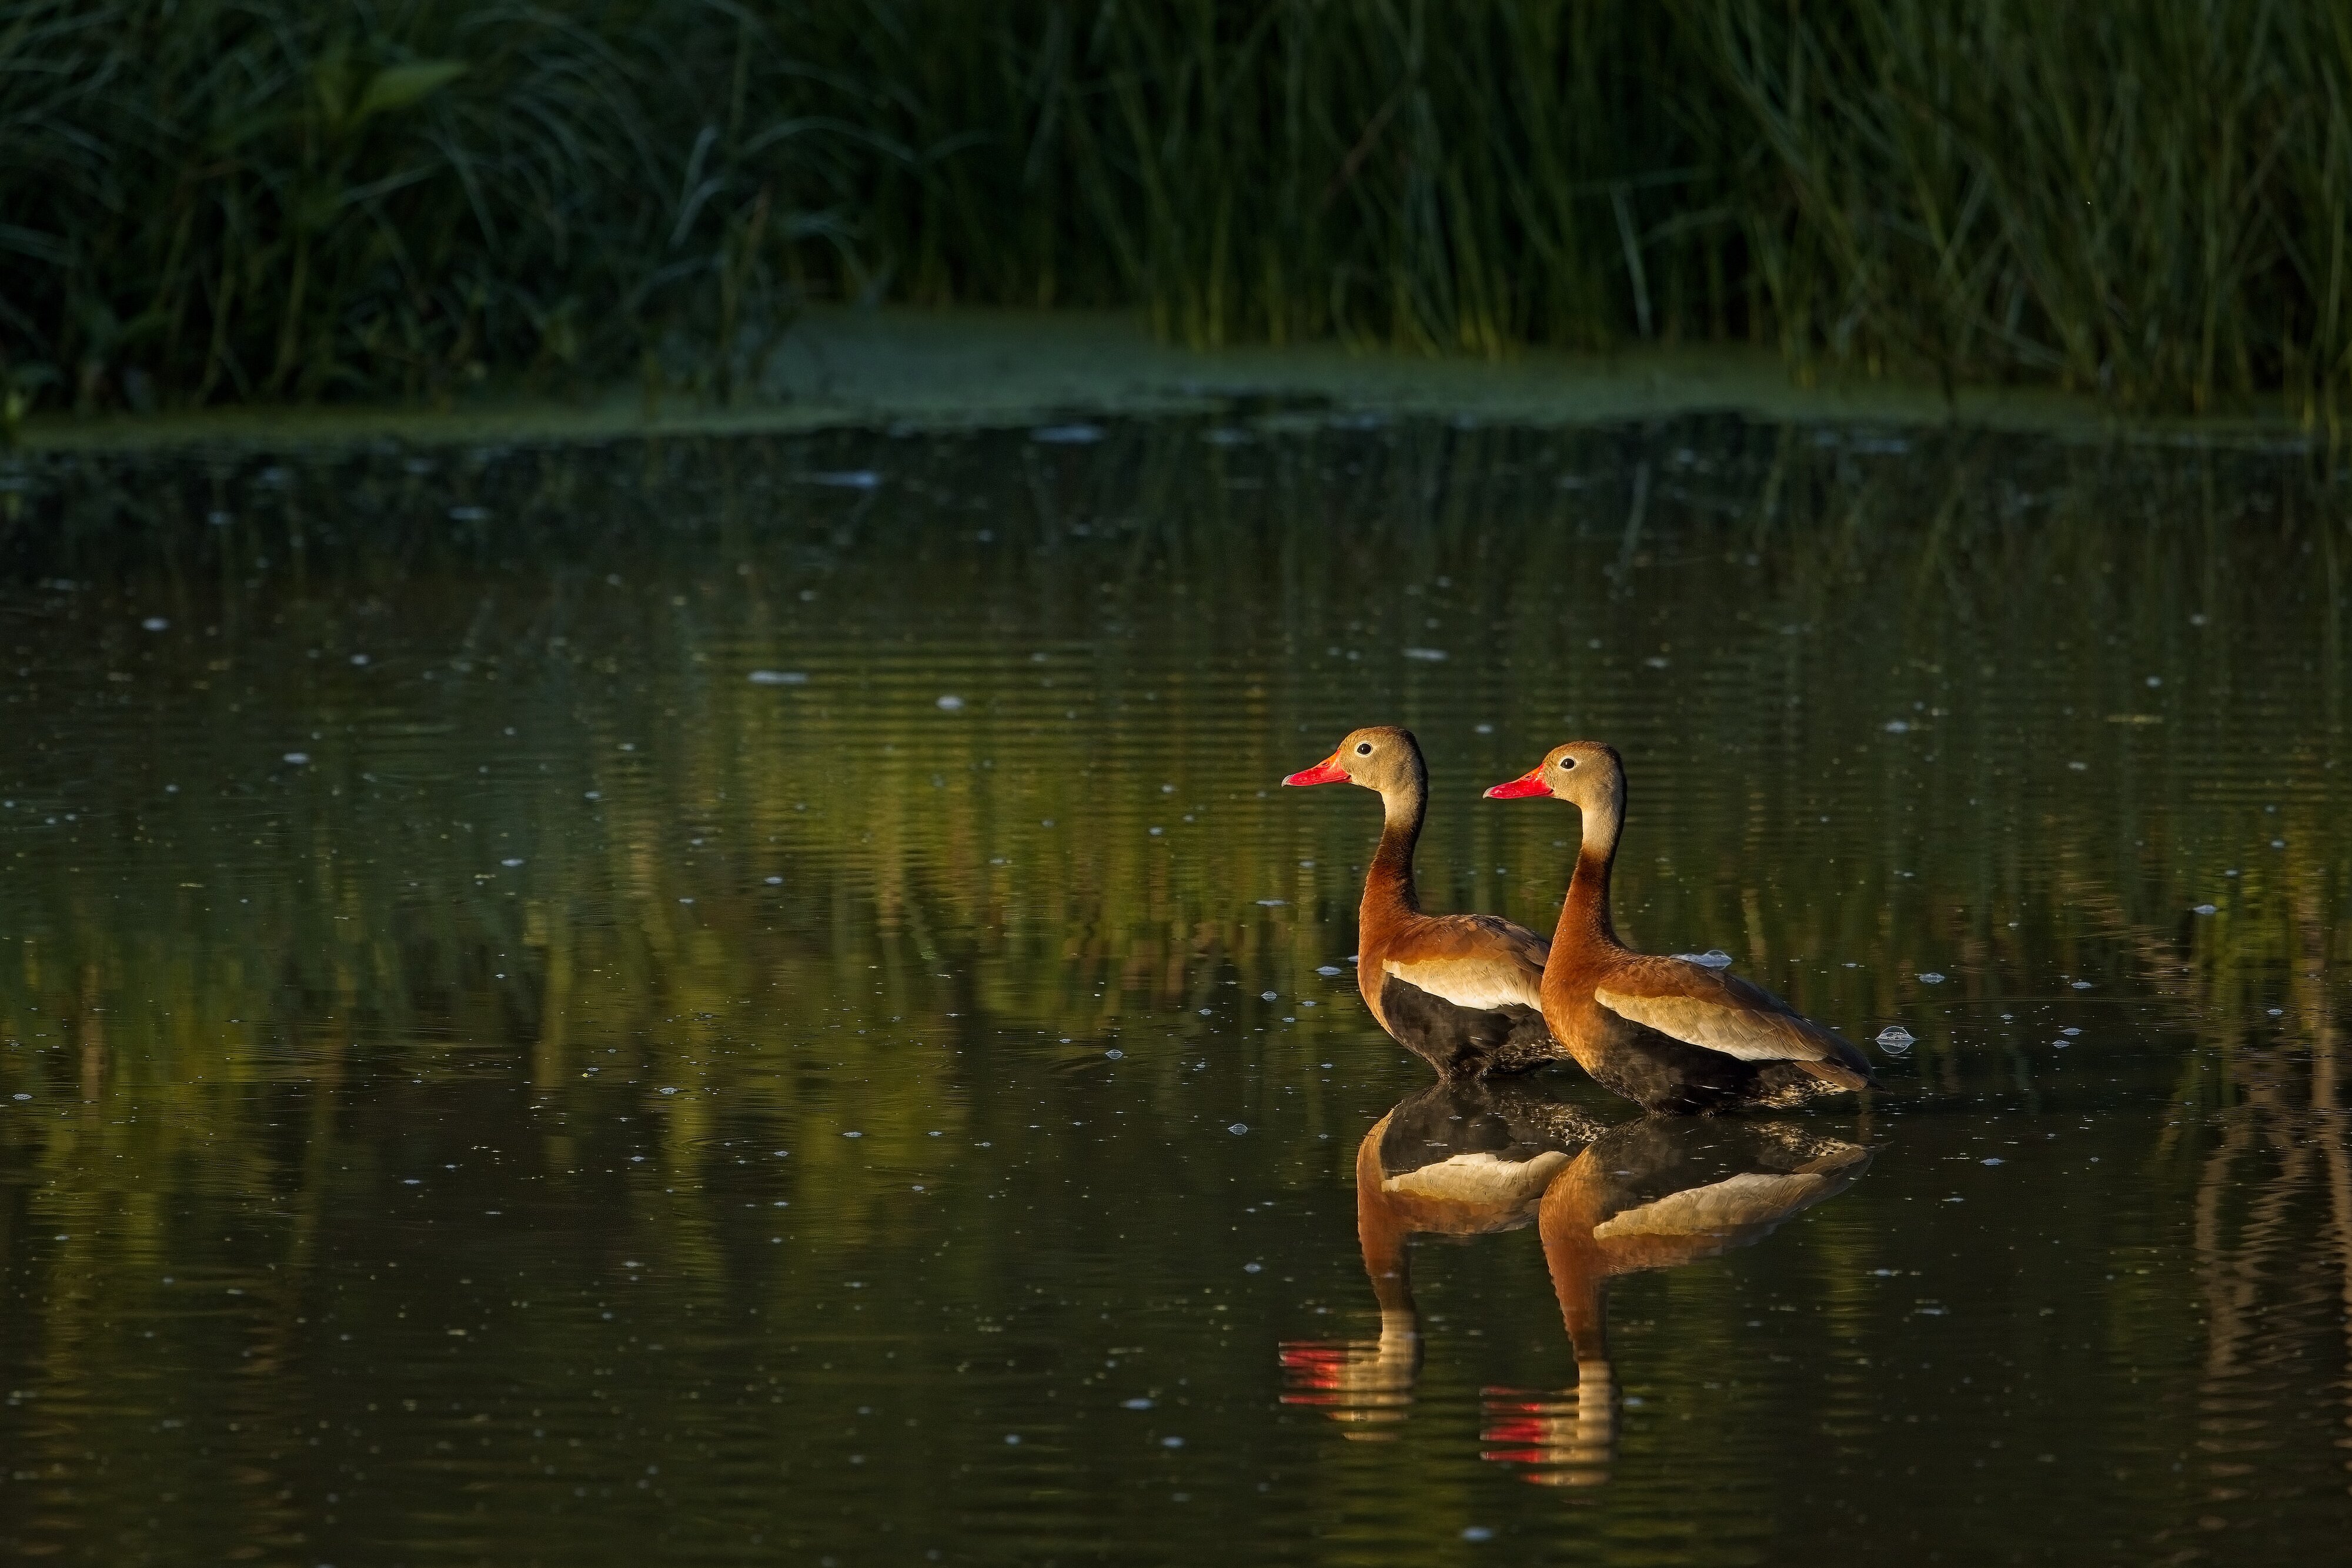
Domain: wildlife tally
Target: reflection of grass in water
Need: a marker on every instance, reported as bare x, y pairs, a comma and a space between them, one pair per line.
1958, 568
214, 200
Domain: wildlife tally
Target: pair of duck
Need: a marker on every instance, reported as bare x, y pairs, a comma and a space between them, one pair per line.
1475, 994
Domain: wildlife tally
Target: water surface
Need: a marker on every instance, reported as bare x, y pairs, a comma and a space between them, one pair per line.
756, 1001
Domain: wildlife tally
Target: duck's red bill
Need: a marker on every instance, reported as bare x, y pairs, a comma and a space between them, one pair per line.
1528, 783
1327, 771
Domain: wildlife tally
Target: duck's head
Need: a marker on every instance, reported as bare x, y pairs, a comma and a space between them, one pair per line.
1586, 772
1382, 756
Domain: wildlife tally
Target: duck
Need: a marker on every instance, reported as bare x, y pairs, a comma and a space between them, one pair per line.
1464, 992
1459, 1159
1674, 1036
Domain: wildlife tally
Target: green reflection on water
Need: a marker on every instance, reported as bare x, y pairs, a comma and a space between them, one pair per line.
563, 1146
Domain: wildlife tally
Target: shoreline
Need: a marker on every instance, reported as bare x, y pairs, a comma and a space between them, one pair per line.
843, 366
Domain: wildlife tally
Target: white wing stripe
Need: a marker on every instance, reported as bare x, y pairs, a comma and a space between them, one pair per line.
1750, 1036
1472, 983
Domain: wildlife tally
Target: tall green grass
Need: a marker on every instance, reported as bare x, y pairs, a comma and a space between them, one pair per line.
214, 200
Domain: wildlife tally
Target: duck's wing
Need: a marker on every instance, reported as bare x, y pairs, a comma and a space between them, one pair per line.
1476, 961
1702, 1007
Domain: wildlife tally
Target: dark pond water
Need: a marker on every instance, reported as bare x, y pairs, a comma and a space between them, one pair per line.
756, 1001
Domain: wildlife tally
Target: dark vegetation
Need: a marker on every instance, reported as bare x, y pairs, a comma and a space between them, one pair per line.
209, 201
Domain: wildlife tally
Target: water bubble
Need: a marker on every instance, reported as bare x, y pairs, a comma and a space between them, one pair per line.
1896, 1037
852, 1135
671, 1090
1989, 1160
1238, 1128
2082, 985
1172, 1442
848, 480
1266, 997
510, 863
1477, 1532
951, 703
1897, 727
155, 623
360, 659
2070, 1034
1012, 1437
2206, 909
1067, 434
298, 757
1713, 959
1251, 1268
1931, 978
1426, 655
1272, 902
1115, 1054
1329, 969
1136, 1404
779, 678
469, 514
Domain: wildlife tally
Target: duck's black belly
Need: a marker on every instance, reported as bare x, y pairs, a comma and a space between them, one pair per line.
1465, 1042
1660, 1073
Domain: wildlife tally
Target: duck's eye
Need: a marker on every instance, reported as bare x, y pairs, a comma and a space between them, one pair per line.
1566, 763
1363, 748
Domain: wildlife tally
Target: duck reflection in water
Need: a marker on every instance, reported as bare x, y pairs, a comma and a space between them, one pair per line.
1468, 1160
1462, 1158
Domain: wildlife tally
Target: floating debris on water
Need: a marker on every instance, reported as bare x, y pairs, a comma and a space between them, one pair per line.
1896, 1037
